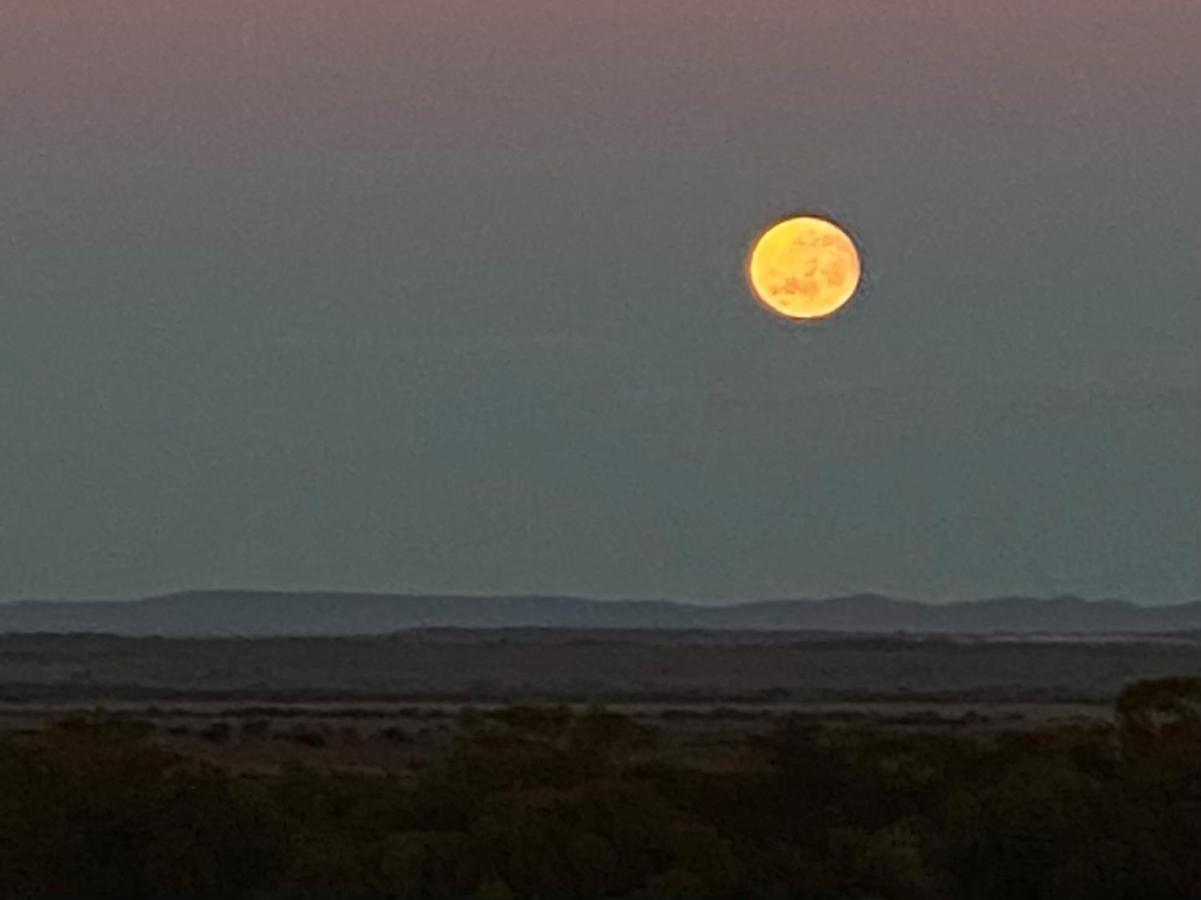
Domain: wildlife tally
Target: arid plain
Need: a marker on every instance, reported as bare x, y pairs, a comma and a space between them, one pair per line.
387, 702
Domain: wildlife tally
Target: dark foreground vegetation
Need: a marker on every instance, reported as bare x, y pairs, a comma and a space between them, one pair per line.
545, 803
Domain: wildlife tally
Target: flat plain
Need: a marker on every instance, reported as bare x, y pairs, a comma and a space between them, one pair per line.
388, 702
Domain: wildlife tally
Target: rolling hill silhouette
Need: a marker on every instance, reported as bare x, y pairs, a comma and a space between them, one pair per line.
261, 613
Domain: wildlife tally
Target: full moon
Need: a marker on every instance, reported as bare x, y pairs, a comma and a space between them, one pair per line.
804, 268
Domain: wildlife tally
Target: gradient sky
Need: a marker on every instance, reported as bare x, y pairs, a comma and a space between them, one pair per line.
447, 295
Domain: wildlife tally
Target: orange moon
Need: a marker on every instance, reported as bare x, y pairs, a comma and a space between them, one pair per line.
804, 268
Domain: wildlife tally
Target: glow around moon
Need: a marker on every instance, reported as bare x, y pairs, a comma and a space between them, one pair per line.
804, 268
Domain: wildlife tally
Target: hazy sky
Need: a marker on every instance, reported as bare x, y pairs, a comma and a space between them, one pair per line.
447, 295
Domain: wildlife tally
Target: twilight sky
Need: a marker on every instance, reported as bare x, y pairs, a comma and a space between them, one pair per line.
447, 295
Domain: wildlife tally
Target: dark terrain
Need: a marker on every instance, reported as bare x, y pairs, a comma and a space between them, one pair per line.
622, 763
550, 665
548, 802
702, 688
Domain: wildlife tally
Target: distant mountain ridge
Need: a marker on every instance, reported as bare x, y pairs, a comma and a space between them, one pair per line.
265, 613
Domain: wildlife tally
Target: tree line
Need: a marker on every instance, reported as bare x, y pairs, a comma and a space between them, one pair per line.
534, 802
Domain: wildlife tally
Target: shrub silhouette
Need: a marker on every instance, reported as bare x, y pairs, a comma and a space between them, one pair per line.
547, 803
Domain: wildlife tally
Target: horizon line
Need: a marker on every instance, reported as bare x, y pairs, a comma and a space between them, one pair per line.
605, 599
